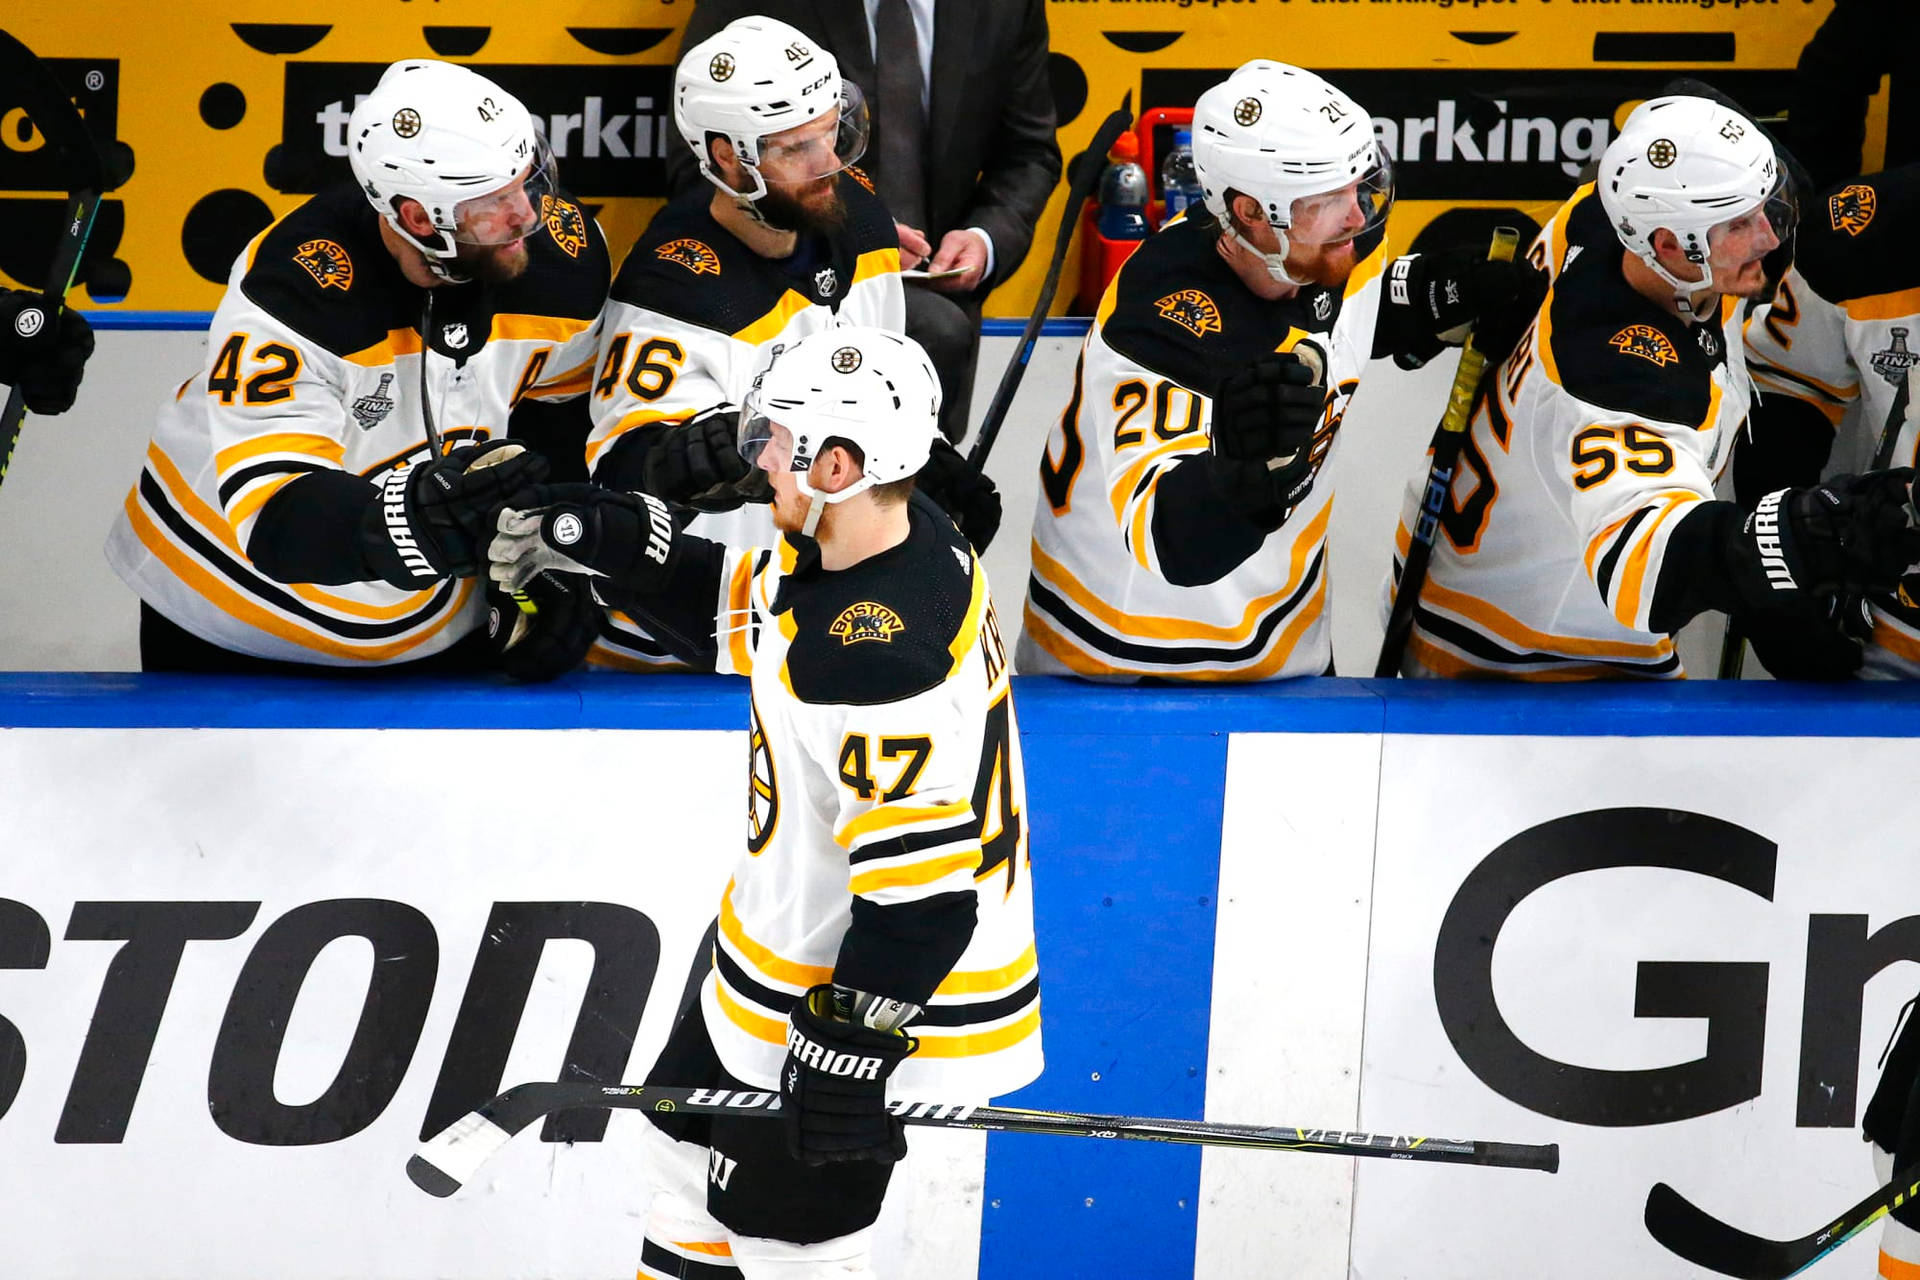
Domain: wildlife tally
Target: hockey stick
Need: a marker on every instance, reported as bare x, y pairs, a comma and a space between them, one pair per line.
452, 1156
1083, 175
51, 112
1447, 439
1733, 650
1704, 1240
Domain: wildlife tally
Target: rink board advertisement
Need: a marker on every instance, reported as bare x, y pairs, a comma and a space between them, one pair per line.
234, 113
256, 939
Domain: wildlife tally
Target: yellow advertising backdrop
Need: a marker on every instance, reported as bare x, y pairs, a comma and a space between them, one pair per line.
236, 114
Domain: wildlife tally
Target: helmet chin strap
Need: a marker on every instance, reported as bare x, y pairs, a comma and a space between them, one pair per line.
438, 263
1683, 290
1275, 263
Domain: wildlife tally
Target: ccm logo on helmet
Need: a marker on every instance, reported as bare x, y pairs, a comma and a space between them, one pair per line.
832, 1062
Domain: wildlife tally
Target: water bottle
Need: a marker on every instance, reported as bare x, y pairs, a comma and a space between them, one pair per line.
1123, 192
1179, 183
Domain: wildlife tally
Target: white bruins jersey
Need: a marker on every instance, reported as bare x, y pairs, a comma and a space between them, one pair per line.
1139, 569
314, 365
1587, 447
1844, 333
690, 313
886, 803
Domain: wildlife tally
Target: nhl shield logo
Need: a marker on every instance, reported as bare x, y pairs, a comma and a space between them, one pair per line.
826, 282
454, 335
1708, 342
694, 255
1852, 208
1322, 305
1192, 310
1893, 363
327, 263
846, 360
369, 410
1646, 342
866, 620
565, 224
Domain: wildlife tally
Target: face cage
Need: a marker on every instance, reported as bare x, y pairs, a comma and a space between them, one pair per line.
501, 217
809, 160
1374, 194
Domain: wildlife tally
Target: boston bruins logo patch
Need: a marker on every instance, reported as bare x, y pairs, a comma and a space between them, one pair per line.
763, 787
1852, 208
859, 175
1192, 310
866, 620
1647, 342
691, 254
327, 263
565, 223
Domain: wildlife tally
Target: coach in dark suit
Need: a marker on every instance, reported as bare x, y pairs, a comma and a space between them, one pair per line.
962, 151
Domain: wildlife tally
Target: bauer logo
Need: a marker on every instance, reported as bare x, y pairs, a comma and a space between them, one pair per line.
610, 126
1490, 135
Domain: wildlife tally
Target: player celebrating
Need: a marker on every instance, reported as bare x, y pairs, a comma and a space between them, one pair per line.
296, 506
1843, 331
885, 885
1581, 528
1178, 531
789, 240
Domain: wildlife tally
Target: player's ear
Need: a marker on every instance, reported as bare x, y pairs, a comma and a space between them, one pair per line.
1245, 210
725, 159
1665, 244
413, 216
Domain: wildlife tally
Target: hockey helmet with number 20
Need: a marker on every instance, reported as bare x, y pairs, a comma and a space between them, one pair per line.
1282, 135
872, 388
454, 141
757, 77
1689, 165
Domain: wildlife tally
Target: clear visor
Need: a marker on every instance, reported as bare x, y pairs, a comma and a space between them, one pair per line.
506, 215
755, 432
821, 147
1779, 213
1336, 217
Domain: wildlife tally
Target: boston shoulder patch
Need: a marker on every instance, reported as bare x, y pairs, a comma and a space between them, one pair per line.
694, 255
866, 620
859, 175
565, 223
1852, 208
1192, 310
326, 262
1647, 342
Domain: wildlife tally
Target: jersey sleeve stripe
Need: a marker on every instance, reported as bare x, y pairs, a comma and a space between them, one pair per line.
297, 444
1623, 527
762, 957
638, 418
914, 875
968, 634
572, 382
737, 620
939, 1044
893, 817
985, 981
1124, 490
238, 513
918, 842
760, 1027
233, 484
1509, 630
1627, 606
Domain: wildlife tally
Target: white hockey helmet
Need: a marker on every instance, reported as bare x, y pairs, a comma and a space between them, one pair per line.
454, 141
757, 77
1282, 135
1689, 165
870, 388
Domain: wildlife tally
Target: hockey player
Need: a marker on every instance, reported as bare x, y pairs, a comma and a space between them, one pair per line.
1178, 531
1842, 332
788, 239
296, 505
1581, 528
1892, 1124
877, 938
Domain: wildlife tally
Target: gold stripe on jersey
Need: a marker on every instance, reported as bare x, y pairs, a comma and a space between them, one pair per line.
761, 957
1892, 1268
739, 600
897, 819
296, 444
1434, 660
1632, 579
1509, 631
979, 982
638, 418
874, 262
913, 875
969, 633
757, 1025
1121, 491
1891, 634
1897, 305
575, 381
255, 497
397, 343
513, 327
1831, 401
940, 1042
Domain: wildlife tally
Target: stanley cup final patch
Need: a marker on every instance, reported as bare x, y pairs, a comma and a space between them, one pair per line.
866, 620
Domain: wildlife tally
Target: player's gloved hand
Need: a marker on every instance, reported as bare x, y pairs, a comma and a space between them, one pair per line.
627, 538
433, 518
552, 639
963, 492
41, 355
1851, 534
697, 463
1818, 639
1456, 291
833, 1086
1264, 417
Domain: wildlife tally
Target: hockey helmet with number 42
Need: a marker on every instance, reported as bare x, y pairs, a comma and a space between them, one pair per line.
457, 143
871, 388
758, 83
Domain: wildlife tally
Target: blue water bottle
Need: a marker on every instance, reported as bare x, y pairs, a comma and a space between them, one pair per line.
1123, 192
1179, 183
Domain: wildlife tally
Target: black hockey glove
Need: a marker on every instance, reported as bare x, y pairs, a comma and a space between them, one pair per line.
1817, 640
432, 519
697, 463
833, 1087
41, 355
1432, 300
1849, 535
966, 494
550, 640
627, 538
1264, 417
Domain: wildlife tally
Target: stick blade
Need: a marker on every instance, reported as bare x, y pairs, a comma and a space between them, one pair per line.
1683, 1228
430, 1179
448, 1160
